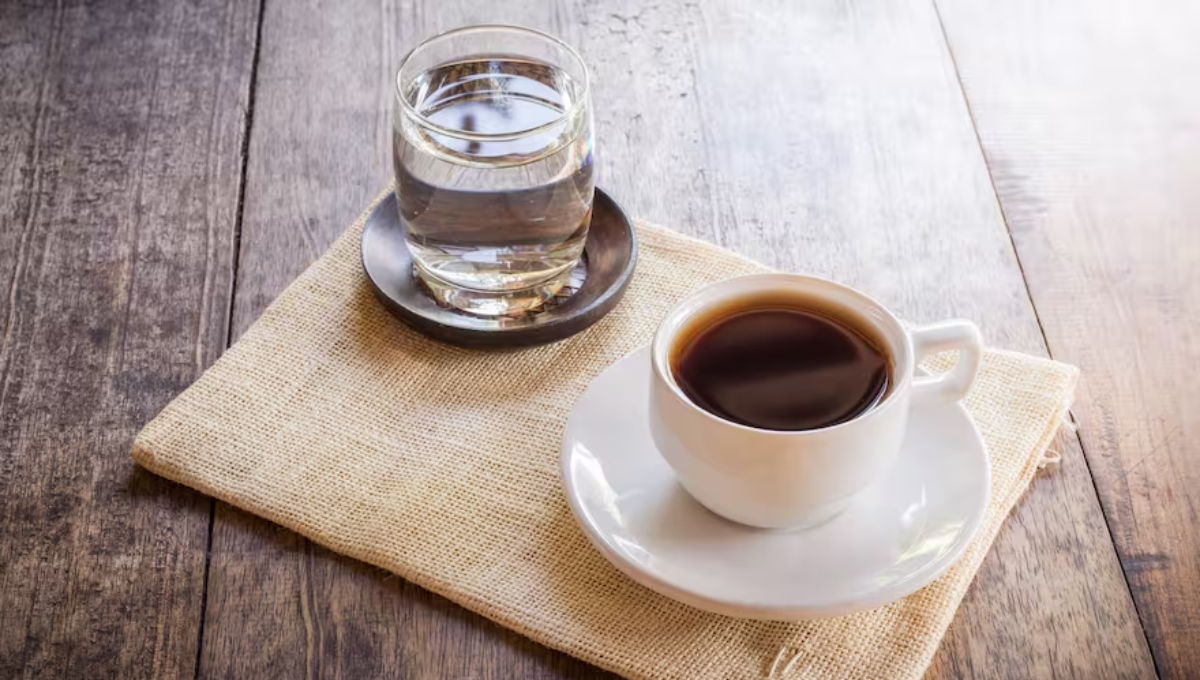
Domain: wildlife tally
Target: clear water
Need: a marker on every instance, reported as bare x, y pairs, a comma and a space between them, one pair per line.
508, 212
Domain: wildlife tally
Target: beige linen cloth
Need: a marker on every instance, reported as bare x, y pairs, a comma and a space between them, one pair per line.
441, 465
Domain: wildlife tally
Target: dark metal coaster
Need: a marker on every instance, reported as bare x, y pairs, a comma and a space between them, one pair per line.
596, 285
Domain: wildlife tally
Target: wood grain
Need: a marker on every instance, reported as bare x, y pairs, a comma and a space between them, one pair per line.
1090, 118
121, 137
832, 140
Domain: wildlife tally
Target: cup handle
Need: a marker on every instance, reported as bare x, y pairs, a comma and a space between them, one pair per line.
958, 335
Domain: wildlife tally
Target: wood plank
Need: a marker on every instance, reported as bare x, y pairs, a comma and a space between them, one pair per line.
121, 138
832, 140
1089, 115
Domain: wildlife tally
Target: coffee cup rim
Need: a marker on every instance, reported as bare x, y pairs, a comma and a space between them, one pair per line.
693, 304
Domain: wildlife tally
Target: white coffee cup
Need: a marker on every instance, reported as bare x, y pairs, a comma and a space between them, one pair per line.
794, 479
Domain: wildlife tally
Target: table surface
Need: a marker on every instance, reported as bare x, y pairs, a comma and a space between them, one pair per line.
170, 166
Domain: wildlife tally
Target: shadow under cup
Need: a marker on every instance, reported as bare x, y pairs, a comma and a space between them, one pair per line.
777, 478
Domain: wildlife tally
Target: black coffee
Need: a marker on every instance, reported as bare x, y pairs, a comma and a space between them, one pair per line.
778, 367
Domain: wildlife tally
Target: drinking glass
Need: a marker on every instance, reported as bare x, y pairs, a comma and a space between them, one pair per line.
492, 150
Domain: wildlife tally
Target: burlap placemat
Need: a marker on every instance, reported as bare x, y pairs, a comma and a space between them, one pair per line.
441, 465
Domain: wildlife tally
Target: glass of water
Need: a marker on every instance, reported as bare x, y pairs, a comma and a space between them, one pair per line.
492, 148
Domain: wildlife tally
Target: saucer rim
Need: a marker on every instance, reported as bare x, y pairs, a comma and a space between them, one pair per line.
787, 611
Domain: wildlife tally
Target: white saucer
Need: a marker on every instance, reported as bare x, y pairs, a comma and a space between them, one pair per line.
896, 537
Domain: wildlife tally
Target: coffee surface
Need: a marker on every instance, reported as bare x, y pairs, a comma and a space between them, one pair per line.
782, 368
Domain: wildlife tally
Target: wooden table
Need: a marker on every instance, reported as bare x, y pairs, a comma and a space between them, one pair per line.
170, 166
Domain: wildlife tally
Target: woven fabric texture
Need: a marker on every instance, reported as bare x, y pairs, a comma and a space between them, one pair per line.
441, 465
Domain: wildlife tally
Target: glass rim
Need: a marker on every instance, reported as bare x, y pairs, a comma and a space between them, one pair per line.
567, 113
